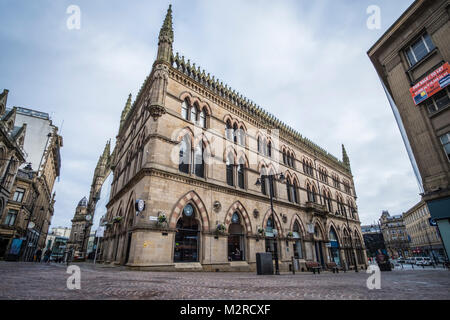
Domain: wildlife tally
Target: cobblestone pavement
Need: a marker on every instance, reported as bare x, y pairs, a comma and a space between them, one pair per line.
39, 281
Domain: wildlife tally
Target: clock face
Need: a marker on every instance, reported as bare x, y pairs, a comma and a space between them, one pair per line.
88, 217
188, 210
141, 205
235, 218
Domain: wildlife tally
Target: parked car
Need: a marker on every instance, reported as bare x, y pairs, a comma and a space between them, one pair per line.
410, 261
426, 261
418, 261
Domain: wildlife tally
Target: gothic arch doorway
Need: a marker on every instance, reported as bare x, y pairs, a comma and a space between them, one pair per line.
236, 239
187, 237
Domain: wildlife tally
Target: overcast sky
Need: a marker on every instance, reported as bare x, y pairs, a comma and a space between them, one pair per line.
303, 61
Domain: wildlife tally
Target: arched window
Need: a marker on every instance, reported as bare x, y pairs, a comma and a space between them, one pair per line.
288, 189
203, 118
334, 247
236, 247
327, 199
271, 184
230, 170
298, 250
185, 110
229, 130
194, 114
241, 168
235, 133
269, 149
284, 157
263, 181
198, 160
311, 191
187, 236
242, 136
294, 192
259, 144
185, 154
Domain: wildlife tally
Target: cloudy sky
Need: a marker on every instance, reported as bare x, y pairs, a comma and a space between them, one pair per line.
303, 61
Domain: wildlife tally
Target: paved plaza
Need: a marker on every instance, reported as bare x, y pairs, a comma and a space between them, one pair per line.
21, 280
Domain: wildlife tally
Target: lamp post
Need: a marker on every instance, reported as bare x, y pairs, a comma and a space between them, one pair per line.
272, 177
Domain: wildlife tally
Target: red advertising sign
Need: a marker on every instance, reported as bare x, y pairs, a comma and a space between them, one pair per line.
431, 84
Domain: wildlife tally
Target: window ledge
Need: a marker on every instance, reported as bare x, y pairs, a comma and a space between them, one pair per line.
422, 61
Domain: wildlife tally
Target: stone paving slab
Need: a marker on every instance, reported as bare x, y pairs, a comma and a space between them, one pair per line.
21, 280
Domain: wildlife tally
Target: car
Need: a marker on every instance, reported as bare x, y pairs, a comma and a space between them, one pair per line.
401, 260
409, 261
426, 261
418, 261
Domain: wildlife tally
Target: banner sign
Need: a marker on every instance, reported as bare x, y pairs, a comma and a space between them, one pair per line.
100, 232
15, 246
431, 84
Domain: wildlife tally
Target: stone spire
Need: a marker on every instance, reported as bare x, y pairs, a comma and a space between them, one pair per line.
125, 111
166, 38
345, 158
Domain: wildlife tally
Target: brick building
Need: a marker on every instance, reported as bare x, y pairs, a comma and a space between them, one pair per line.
192, 149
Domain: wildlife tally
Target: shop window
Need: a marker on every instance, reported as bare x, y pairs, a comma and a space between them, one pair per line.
187, 236
236, 247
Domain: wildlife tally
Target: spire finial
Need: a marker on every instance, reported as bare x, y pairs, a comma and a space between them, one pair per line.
166, 32
345, 158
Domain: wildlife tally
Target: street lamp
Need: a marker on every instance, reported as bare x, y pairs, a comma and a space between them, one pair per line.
272, 177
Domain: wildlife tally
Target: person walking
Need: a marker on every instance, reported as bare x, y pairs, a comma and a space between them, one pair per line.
47, 255
38, 255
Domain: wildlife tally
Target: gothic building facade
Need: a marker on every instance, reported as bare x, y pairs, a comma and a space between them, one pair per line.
192, 151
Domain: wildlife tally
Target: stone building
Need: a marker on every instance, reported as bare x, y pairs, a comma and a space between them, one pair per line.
12, 155
425, 239
33, 198
394, 235
412, 61
81, 227
192, 149
373, 240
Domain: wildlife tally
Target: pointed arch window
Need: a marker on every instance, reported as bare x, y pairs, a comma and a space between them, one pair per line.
298, 249
198, 160
263, 181
229, 130
284, 157
259, 144
194, 114
289, 187
242, 136
185, 110
185, 153
235, 133
271, 184
230, 170
241, 168
294, 192
203, 118
269, 149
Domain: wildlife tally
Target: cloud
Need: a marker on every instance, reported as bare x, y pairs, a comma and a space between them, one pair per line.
305, 62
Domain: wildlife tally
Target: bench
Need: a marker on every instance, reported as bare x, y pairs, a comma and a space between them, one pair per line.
314, 266
333, 266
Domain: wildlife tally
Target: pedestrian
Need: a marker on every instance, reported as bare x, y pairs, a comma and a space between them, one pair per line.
47, 255
38, 255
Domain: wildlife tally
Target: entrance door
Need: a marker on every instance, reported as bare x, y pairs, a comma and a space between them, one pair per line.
127, 256
319, 253
187, 239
